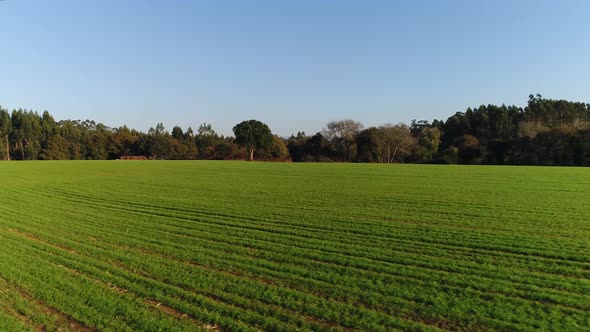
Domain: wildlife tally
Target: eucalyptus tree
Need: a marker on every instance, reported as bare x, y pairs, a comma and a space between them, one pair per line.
5, 128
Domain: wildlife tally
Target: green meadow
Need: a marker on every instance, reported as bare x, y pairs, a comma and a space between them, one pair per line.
237, 246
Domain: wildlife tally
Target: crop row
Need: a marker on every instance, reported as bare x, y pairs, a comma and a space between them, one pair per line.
286, 258
231, 246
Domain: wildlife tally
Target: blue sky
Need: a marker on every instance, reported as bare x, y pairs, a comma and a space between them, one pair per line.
292, 64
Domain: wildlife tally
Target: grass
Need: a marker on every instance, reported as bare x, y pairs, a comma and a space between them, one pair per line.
181, 246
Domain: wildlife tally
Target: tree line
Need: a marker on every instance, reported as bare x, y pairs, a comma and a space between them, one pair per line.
544, 132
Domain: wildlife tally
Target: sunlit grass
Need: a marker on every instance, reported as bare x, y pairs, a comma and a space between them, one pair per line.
148, 245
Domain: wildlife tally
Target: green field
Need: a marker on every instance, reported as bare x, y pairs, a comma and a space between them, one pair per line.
187, 245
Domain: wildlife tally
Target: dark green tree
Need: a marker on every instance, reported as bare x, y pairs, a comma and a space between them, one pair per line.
5, 128
253, 135
177, 133
206, 141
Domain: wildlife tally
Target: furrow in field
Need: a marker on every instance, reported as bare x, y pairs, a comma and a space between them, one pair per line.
471, 249
363, 247
96, 272
81, 299
39, 256
34, 312
194, 290
85, 197
348, 249
281, 228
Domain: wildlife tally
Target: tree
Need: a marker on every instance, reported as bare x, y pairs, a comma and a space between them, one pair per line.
27, 133
395, 142
159, 130
531, 129
428, 141
50, 141
56, 148
317, 148
72, 132
189, 134
177, 133
368, 145
296, 146
343, 134
206, 141
5, 128
278, 149
253, 135
157, 146
545, 132
470, 150
227, 149
123, 142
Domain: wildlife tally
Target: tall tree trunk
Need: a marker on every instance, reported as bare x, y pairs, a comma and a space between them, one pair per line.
251, 153
394, 153
7, 148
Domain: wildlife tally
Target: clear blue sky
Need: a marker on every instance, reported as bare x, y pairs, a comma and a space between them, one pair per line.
292, 64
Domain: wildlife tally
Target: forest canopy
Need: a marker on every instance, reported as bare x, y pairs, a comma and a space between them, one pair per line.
544, 132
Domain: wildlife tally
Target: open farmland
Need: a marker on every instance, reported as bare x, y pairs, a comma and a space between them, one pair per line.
163, 245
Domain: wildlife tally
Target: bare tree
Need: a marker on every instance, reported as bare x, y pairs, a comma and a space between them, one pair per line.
342, 134
345, 129
395, 141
